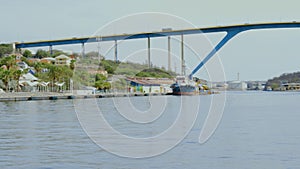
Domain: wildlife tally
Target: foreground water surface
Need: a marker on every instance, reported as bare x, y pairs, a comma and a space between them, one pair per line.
258, 130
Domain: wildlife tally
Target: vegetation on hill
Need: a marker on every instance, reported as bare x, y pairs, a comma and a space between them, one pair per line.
120, 69
101, 82
129, 68
88, 70
109, 65
284, 78
154, 72
5, 49
124, 68
134, 69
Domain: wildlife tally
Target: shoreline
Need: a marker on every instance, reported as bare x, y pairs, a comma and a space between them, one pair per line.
31, 96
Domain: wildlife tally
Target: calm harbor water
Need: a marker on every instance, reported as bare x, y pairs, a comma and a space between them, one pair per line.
258, 130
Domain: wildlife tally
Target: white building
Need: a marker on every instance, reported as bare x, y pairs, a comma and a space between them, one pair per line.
28, 82
22, 65
62, 60
237, 85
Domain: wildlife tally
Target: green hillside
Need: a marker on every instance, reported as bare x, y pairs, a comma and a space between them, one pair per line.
134, 69
284, 78
155, 72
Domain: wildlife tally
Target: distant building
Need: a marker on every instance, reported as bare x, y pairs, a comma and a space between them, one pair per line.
62, 60
290, 86
150, 85
217, 85
237, 85
33, 60
102, 72
22, 65
18, 57
256, 85
48, 60
28, 82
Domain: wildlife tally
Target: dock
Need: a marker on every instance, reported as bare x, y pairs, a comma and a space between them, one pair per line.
31, 96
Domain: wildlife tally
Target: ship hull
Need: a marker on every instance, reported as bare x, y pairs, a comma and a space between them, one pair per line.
184, 90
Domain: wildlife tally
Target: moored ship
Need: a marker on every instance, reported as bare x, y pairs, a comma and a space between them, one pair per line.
183, 86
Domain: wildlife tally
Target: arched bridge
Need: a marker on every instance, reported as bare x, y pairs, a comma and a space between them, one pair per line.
231, 31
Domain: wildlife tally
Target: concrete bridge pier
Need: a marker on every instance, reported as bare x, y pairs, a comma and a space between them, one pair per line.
16, 50
116, 51
51, 50
169, 53
149, 54
182, 57
82, 50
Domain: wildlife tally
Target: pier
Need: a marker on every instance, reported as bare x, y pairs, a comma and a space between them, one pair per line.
31, 96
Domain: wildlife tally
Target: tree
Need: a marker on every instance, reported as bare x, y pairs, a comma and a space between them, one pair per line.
59, 74
5, 77
100, 77
72, 64
27, 54
24, 59
9, 61
109, 65
154, 72
15, 75
42, 54
101, 83
5, 49
54, 72
57, 53
38, 67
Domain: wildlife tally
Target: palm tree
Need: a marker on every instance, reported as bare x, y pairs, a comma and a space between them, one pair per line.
16, 74
38, 67
9, 61
5, 75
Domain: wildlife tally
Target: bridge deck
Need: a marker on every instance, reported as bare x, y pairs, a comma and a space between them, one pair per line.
240, 28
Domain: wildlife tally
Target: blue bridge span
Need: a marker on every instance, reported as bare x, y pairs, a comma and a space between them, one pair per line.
231, 31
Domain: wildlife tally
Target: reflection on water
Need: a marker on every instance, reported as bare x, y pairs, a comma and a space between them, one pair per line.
258, 130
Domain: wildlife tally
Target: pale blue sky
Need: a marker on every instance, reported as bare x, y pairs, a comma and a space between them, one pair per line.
256, 55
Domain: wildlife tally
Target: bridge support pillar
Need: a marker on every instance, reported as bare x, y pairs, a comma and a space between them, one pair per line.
82, 50
98, 52
51, 50
182, 57
14, 48
116, 51
149, 61
169, 53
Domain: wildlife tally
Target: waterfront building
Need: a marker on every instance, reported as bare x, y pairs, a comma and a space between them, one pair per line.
28, 82
48, 60
150, 85
256, 85
290, 86
237, 85
62, 60
22, 65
